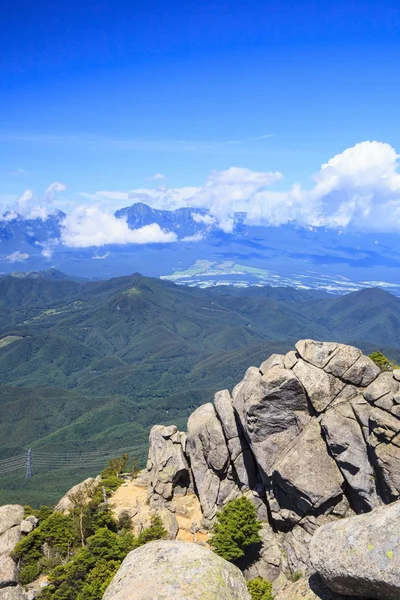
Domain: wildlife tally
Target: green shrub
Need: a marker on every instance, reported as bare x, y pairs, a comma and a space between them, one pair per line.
384, 363
125, 521
58, 534
155, 531
236, 528
111, 483
260, 589
91, 569
296, 576
29, 572
115, 466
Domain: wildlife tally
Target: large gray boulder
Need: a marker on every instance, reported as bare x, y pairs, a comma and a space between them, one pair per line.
315, 352
342, 361
322, 388
346, 443
273, 409
8, 571
10, 515
210, 460
383, 429
176, 571
310, 588
65, 504
9, 539
239, 450
13, 593
167, 464
306, 477
361, 555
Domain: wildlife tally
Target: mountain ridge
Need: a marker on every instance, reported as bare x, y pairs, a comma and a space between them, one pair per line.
338, 261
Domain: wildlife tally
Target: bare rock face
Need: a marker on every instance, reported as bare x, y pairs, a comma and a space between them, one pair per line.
8, 571
317, 353
301, 482
273, 410
167, 464
238, 447
176, 571
9, 539
210, 462
321, 387
10, 515
310, 588
361, 555
13, 593
384, 430
65, 504
346, 443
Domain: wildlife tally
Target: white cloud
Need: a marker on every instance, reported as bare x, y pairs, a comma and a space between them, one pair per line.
48, 246
28, 206
91, 226
358, 188
101, 196
53, 189
197, 237
206, 219
16, 257
158, 177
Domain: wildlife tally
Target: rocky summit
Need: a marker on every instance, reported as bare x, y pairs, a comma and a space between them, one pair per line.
311, 437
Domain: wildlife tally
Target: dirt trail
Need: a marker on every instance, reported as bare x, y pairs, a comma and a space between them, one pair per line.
131, 496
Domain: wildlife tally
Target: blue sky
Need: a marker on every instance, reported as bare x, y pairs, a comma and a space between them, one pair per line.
103, 95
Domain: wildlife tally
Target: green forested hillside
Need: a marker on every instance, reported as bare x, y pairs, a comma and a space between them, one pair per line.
91, 366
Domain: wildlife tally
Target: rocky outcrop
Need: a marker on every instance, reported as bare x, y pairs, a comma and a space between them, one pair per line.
361, 555
11, 517
309, 437
13, 593
272, 409
66, 504
240, 454
176, 571
310, 588
167, 464
210, 462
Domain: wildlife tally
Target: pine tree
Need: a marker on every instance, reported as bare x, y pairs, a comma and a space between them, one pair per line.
237, 527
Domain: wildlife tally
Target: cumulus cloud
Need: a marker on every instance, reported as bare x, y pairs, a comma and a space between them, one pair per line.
90, 226
28, 206
358, 188
158, 177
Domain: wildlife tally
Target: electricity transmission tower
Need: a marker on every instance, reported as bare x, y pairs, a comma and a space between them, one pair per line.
28, 473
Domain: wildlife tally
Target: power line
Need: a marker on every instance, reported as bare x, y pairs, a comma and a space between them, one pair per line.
48, 460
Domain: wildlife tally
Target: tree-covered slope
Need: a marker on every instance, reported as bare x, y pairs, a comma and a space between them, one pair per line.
91, 366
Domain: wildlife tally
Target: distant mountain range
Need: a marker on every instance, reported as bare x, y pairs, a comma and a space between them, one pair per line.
315, 258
